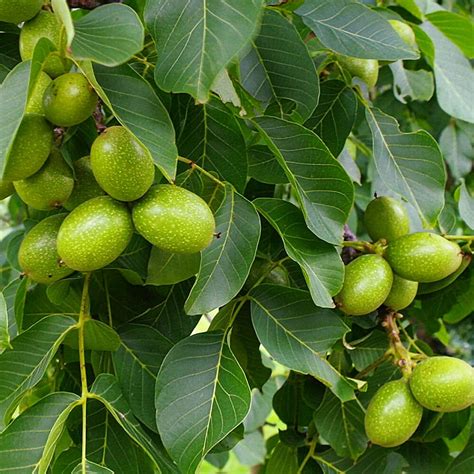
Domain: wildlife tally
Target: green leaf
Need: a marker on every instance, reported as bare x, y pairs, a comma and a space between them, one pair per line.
284, 460
410, 164
23, 366
466, 206
369, 350
335, 115
212, 138
264, 166
324, 189
226, 263
15, 296
465, 459
137, 107
91, 468
195, 41
353, 29
28, 443
453, 75
457, 149
320, 262
298, 334
61, 10
10, 54
279, 68
136, 362
201, 396
165, 268
426, 457
98, 336
347, 436
109, 35
416, 85
4, 325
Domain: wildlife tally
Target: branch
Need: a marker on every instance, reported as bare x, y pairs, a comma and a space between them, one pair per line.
90, 4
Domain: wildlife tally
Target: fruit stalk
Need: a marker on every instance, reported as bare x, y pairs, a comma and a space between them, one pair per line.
193, 165
468, 238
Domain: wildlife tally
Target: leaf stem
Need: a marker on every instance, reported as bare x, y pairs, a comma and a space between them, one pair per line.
193, 165
308, 456
360, 245
371, 367
468, 238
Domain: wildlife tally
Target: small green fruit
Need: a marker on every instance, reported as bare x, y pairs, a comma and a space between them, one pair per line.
423, 257
38, 255
69, 100
367, 283
50, 187
85, 186
404, 31
393, 415
95, 234
19, 10
402, 293
121, 166
174, 219
30, 149
35, 103
443, 384
365, 69
6, 189
386, 218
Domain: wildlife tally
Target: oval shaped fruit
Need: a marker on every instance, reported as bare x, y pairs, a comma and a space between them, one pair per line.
30, 149
38, 256
174, 219
401, 294
6, 189
404, 31
50, 187
121, 166
69, 100
365, 69
85, 185
443, 384
393, 415
95, 234
423, 257
386, 218
367, 283
19, 10
35, 103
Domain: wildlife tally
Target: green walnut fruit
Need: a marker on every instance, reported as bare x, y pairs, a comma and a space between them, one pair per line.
401, 294
404, 31
367, 283
38, 256
393, 415
386, 218
85, 185
443, 384
30, 149
16, 11
35, 103
121, 166
94, 234
50, 187
174, 219
69, 100
6, 189
45, 25
423, 257
365, 69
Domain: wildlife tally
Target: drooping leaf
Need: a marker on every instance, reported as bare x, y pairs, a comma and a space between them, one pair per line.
324, 189
62, 12
457, 149
284, 459
464, 460
299, 340
4, 324
417, 85
279, 68
225, 264
98, 336
353, 29
15, 296
165, 268
320, 262
369, 350
430, 457
201, 396
195, 41
108, 35
466, 206
410, 164
264, 166
91, 468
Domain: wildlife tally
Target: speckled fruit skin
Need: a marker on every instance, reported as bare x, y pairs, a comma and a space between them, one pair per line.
38, 256
69, 100
6, 189
404, 31
30, 149
443, 384
174, 219
19, 10
401, 294
85, 185
367, 283
50, 187
35, 104
386, 218
365, 69
423, 257
121, 166
393, 415
95, 234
